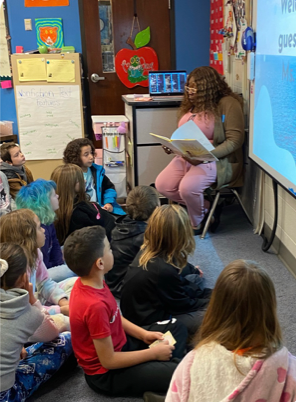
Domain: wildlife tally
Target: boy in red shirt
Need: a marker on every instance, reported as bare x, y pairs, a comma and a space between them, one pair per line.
112, 351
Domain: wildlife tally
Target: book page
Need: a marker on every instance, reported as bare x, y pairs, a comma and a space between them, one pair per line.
167, 143
190, 131
194, 149
161, 137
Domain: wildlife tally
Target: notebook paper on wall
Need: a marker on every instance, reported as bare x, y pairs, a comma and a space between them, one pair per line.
189, 140
167, 85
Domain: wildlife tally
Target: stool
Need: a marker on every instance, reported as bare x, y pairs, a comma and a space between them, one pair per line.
225, 192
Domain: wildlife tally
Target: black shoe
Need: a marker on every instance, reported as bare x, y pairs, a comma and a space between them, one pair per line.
197, 232
152, 397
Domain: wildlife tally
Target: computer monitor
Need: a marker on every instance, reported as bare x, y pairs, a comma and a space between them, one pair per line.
166, 83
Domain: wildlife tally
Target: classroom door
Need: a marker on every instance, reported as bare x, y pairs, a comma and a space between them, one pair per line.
106, 26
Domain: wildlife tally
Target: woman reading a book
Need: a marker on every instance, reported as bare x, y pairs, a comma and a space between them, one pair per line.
210, 103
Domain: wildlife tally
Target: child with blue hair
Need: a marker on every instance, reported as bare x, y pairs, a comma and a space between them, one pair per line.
41, 198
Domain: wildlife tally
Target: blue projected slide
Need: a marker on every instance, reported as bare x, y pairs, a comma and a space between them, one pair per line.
274, 126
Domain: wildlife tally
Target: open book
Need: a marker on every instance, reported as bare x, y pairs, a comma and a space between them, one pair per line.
189, 140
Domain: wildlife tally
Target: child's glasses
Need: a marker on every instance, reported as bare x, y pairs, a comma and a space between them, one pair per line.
190, 89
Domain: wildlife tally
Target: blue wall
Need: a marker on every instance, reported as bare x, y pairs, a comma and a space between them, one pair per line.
192, 34
17, 12
192, 25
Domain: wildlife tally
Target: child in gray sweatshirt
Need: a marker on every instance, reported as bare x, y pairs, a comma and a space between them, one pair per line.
23, 319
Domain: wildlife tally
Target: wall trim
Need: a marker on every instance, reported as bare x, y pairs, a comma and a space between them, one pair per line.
287, 258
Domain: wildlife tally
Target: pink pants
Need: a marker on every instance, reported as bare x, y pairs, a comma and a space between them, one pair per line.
184, 183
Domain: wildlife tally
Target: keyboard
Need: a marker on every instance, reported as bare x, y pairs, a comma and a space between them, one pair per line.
167, 98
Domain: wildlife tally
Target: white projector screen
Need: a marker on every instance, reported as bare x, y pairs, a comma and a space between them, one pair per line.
273, 93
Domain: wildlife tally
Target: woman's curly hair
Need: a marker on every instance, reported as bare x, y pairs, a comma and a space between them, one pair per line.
211, 87
73, 150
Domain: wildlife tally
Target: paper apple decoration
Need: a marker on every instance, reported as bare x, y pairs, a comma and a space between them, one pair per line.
132, 66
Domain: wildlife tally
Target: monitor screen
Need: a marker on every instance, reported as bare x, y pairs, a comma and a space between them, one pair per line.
273, 99
167, 82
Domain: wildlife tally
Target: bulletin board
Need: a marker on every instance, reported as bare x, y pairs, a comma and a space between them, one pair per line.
48, 102
216, 39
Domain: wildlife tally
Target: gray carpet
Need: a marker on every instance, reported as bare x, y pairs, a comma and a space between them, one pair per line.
234, 239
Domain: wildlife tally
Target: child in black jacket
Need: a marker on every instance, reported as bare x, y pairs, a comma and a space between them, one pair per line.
155, 287
128, 235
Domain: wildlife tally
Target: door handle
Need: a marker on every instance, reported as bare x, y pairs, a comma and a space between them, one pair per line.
95, 77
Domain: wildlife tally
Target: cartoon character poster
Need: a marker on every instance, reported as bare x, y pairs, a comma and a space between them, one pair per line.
49, 32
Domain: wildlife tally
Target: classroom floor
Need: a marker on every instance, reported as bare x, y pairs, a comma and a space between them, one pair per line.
234, 239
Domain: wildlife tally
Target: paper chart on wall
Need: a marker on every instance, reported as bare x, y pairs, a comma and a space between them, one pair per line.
4, 55
31, 69
60, 71
49, 117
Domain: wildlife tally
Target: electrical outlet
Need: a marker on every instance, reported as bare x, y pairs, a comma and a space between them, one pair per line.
28, 25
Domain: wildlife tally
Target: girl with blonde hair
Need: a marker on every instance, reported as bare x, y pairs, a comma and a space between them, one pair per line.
239, 354
211, 104
23, 228
75, 210
155, 287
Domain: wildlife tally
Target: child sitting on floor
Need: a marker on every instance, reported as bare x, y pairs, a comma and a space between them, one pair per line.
81, 152
128, 234
22, 319
75, 210
112, 351
23, 227
239, 355
13, 166
41, 198
155, 287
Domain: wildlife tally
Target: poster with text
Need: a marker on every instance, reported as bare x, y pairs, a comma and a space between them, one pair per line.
49, 116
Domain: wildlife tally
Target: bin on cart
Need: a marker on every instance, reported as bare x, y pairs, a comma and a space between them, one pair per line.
112, 131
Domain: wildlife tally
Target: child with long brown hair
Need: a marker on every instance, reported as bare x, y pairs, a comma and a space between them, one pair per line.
75, 210
155, 287
239, 354
23, 227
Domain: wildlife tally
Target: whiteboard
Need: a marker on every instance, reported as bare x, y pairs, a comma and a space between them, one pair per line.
49, 116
